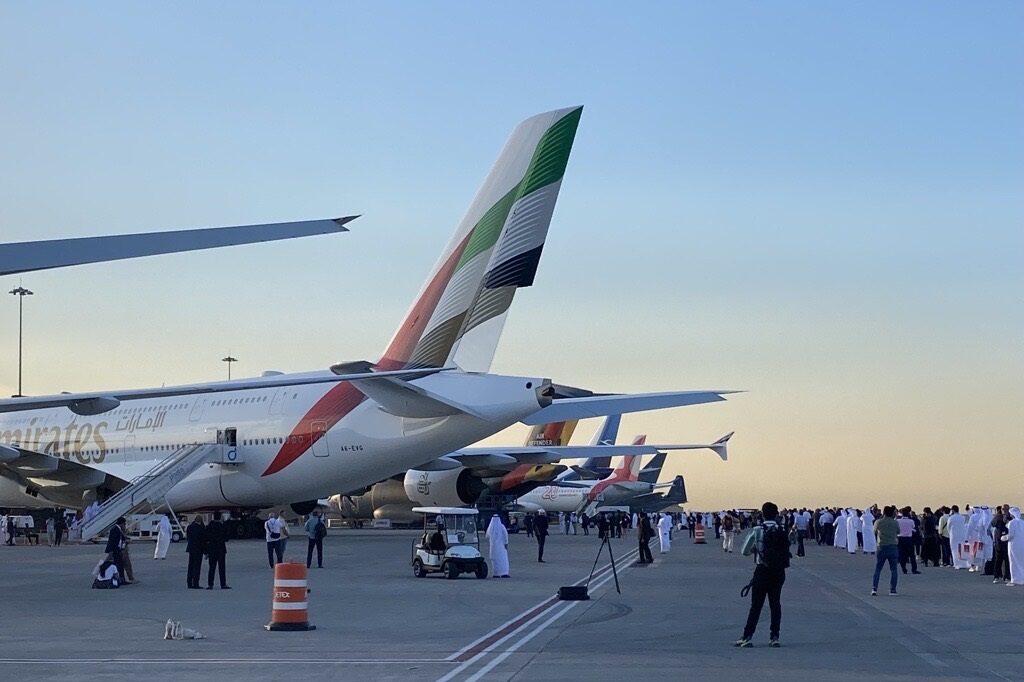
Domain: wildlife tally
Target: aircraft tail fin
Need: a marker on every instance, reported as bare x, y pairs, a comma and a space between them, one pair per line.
609, 430
553, 434
651, 472
459, 314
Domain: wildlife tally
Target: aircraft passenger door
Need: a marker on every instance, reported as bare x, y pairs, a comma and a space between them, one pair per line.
197, 410
277, 403
228, 440
319, 434
129, 446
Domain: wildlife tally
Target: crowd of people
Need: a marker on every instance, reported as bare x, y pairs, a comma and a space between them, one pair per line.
204, 540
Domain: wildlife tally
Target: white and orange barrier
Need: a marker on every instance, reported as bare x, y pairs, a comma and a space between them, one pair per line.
291, 605
698, 535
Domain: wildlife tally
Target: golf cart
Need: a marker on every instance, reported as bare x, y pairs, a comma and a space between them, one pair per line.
450, 543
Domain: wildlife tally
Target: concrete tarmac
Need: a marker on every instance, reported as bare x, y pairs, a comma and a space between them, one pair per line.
675, 619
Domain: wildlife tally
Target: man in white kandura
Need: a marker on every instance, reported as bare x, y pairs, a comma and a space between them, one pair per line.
975, 536
957, 528
852, 528
1015, 543
987, 548
867, 523
497, 537
664, 533
840, 524
163, 537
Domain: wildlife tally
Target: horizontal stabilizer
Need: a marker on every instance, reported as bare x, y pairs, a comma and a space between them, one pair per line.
587, 474
61, 253
402, 399
600, 406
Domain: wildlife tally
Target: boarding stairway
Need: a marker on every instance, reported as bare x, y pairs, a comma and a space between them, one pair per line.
151, 487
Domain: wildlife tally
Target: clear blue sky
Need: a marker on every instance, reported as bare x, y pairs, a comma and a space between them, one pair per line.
819, 203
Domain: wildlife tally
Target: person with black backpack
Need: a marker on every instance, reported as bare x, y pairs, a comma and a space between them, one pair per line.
769, 543
316, 531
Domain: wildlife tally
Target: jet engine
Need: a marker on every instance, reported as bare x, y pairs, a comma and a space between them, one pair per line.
304, 508
452, 488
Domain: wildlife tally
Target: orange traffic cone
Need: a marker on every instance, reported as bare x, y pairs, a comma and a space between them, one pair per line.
291, 610
698, 535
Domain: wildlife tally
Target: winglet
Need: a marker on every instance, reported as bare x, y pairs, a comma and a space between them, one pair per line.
720, 445
344, 220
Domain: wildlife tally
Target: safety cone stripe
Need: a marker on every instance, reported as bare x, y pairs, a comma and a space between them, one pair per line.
289, 583
294, 606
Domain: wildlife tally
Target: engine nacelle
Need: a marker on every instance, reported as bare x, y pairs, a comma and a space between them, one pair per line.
304, 508
452, 488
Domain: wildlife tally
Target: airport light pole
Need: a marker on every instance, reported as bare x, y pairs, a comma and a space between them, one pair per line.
21, 292
229, 360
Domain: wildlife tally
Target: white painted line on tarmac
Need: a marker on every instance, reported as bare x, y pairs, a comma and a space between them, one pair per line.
527, 615
494, 662
533, 615
369, 662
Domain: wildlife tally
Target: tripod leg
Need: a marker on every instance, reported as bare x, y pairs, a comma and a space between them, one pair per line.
614, 572
596, 559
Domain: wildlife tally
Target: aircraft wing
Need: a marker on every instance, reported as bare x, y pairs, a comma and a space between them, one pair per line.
61, 253
45, 477
97, 403
645, 498
585, 407
507, 458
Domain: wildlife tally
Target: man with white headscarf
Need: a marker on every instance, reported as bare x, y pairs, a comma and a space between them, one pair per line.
852, 528
163, 537
986, 536
497, 538
976, 532
957, 528
1015, 544
664, 530
867, 523
839, 539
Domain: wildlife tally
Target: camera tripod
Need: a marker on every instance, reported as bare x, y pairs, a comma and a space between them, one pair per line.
605, 543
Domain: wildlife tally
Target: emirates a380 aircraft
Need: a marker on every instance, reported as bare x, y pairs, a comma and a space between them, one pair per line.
299, 437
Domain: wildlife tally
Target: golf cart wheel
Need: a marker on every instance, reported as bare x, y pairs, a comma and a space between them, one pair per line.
481, 570
175, 536
418, 570
451, 571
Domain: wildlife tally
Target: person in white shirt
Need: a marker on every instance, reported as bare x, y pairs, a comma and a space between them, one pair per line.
497, 538
163, 537
273, 527
665, 533
105, 575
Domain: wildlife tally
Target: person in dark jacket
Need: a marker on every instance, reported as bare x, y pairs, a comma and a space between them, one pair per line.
195, 545
1001, 548
602, 526
930, 538
216, 551
540, 529
528, 524
116, 541
644, 535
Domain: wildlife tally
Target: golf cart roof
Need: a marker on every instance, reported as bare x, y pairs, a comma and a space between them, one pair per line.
457, 511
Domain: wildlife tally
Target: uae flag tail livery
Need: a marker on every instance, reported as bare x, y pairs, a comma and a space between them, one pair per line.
290, 438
